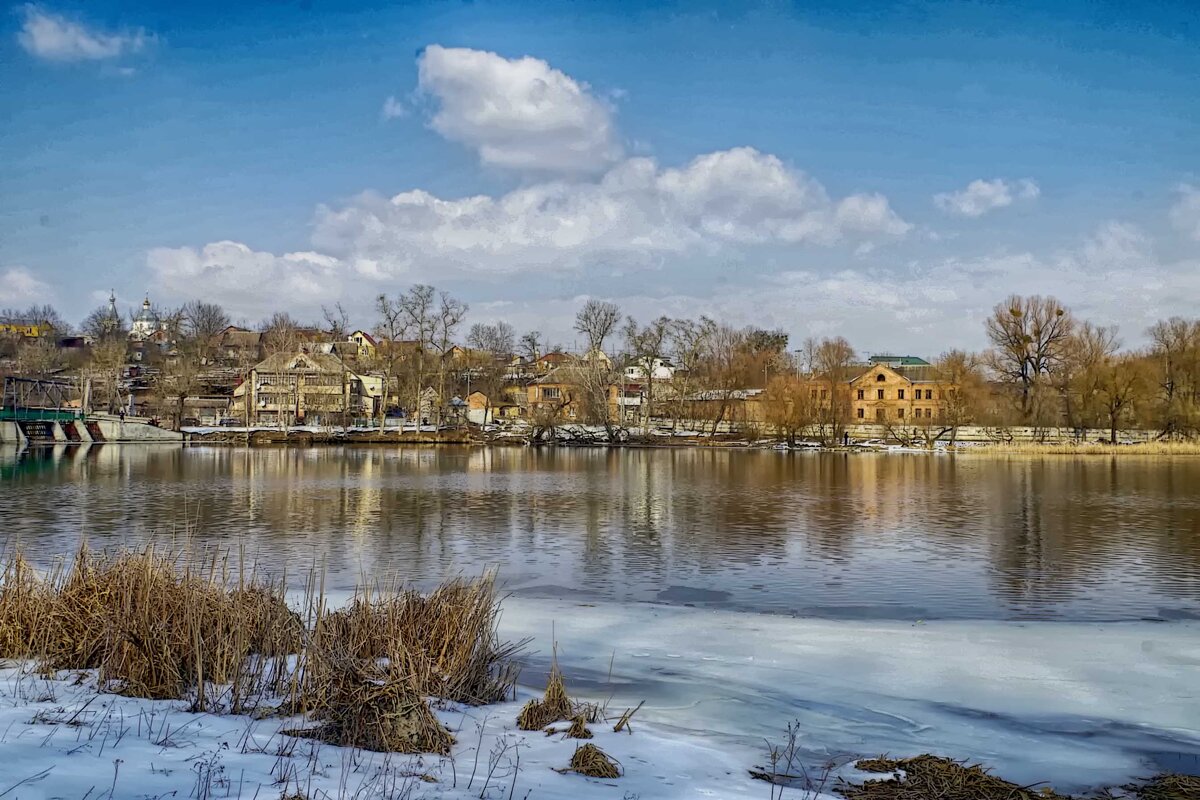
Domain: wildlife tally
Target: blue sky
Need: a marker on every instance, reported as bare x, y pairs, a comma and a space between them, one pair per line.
887, 173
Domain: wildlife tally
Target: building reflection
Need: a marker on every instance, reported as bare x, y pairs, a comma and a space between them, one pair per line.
794, 532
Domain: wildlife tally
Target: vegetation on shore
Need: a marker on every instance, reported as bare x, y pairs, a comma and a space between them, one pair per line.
177, 625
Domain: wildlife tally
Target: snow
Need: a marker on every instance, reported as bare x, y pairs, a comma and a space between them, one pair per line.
1077, 705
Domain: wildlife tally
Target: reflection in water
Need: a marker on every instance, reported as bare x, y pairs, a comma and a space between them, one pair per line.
873, 535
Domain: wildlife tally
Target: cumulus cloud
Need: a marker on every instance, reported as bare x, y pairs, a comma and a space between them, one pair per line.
1185, 214
247, 281
53, 37
982, 196
517, 113
636, 212
19, 286
393, 108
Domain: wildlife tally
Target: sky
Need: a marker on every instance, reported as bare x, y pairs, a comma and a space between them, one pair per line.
888, 173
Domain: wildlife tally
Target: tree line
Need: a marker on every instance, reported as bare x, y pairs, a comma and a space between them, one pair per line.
1045, 367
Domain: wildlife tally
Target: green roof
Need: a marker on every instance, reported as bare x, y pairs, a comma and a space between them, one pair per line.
899, 361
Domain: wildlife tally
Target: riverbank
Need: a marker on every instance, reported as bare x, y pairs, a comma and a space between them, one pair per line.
1078, 705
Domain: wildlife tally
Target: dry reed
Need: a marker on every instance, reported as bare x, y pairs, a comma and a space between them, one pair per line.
1070, 448
554, 706
579, 729
166, 626
1168, 787
929, 776
593, 762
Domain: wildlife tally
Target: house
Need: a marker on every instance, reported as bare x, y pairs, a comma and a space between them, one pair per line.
305, 389
364, 344
897, 391
19, 327
658, 369
483, 410
562, 395
236, 346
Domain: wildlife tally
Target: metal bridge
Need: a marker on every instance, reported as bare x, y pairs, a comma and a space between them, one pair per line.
42, 410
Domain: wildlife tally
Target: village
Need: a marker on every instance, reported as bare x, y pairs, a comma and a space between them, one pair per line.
420, 373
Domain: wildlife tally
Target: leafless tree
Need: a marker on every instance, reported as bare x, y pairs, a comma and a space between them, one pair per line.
102, 325
833, 366
1029, 337
531, 345
337, 321
1175, 351
596, 321
646, 346
450, 314
281, 334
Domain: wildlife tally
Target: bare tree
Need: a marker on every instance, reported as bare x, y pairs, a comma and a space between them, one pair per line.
1119, 383
1029, 337
281, 334
450, 314
960, 389
596, 321
690, 341
487, 366
337, 321
531, 345
495, 339
647, 346
104, 325
1175, 351
833, 366
790, 408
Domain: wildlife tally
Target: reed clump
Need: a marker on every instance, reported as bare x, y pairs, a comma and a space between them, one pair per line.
593, 762
371, 705
927, 776
1169, 786
555, 705
161, 625
444, 641
152, 624
1071, 448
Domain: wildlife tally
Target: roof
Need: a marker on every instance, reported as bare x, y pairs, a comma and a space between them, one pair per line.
899, 361
364, 335
301, 362
239, 337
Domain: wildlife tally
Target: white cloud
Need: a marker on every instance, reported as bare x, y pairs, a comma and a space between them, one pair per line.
635, 213
517, 113
1185, 214
19, 287
393, 108
248, 282
982, 196
54, 37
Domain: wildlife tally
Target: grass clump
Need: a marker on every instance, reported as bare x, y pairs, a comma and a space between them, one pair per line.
554, 706
371, 706
926, 776
445, 641
1169, 786
593, 762
152, 624
161, 625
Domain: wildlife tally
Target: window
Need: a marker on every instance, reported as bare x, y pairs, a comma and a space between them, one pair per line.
550, 392
929, 394
929, 413
824, 394
879, 394
900, 413
879, 415
899, 394
880, 378
814, 394
861, 413
862, 394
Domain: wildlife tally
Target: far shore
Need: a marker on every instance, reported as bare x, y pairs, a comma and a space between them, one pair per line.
568, 436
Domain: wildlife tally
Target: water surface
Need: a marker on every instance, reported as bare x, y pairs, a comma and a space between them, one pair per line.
864, 536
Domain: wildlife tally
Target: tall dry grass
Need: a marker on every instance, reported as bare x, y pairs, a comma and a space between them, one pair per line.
168, 625
1165, 448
